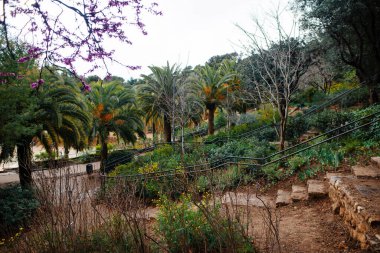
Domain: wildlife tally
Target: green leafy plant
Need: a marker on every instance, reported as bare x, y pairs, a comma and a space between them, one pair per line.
272, 172
17, 206
118, 157
296, 163
220, 120
187, 228
328, 120
309, 173
45, 156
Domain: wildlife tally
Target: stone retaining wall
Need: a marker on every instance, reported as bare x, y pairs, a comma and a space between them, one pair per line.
356, 214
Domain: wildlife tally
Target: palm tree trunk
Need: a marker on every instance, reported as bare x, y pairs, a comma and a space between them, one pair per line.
24, 158
167, 129
211, 113
67, 151
103, 153
154, 132
373, 96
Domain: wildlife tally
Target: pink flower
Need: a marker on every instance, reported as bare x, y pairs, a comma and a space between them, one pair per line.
86, 87
23, 59
34, 85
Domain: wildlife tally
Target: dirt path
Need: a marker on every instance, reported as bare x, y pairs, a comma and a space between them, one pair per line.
306, 227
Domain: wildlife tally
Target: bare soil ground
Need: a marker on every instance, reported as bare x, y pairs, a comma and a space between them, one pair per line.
309, 227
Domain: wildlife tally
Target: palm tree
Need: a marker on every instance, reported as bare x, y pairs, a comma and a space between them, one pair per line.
234, 97
66, 117
113, 110
213, 85
44, 112
157, 94
60, 115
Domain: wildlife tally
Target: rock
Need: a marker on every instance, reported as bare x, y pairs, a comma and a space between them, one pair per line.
332, 177
376, 161
335, 208
299, 193
366, 171
374, 220
317, 188
244, 199
359, 209
283, 198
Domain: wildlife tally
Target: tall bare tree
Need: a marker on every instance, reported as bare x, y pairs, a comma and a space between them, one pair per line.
278, 62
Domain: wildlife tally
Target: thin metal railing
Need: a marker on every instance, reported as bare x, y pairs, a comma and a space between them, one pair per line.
235, 159
216, 140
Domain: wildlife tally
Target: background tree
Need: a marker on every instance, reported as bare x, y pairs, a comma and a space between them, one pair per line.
212, 85
114, 110
277, 63
187, 105
62, 33
67, 119
157, 92
354, 26
217, 60
44, 111
234, 101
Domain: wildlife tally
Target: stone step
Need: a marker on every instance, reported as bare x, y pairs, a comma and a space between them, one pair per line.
366, 171
246, 199
332, 177
376, 161
283, 198
299, 193
317, 189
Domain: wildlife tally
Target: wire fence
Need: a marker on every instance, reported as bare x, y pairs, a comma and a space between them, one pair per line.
255, 163
219, 140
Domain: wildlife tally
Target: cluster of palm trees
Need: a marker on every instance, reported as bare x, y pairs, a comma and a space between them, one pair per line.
170, 96
58, 112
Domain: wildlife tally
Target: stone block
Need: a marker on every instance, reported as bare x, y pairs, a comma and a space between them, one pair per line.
283, 198
299, 193
317, 188
376, 161
335, 208
366, 171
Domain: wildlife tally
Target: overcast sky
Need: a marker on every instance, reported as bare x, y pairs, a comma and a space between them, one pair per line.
190, 32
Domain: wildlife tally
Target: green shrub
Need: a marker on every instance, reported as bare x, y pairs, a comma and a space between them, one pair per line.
88, 158
203, 184
309, 173
228, 179
296, 126
328, 120
267, 134
296, 163
162, 152
247, 118
245, 147
267, 114
125, 169
118, 157
329, 155
45, 156
17, 206
359, 96
220, 120
98, 148
371, 132
308, 97
272, 172
186, 228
